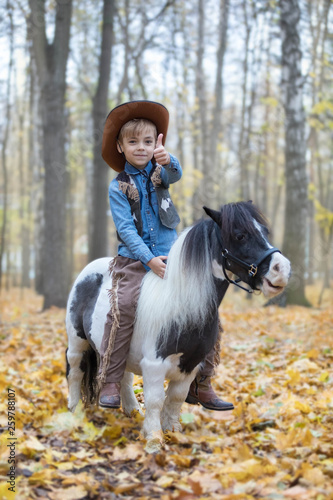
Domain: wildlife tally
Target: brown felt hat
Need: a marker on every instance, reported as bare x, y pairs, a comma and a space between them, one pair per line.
153, 111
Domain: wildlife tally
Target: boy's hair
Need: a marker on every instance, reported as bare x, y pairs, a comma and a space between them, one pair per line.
136, 126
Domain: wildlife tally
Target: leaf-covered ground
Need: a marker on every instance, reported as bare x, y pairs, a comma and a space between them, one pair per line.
276, 367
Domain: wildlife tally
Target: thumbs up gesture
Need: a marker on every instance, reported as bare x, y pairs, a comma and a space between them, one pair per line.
161, 155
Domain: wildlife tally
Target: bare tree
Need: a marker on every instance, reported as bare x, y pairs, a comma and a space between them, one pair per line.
51, 63
216, 123
98, 223
5, 138
295, 148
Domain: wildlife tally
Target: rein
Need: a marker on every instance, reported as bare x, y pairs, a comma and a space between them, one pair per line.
252, 269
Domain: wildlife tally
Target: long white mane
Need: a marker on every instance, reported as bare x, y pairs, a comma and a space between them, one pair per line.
185, 293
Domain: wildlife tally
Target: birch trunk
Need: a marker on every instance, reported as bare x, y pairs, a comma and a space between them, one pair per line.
295, 148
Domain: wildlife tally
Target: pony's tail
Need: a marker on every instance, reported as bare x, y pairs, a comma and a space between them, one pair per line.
89, 381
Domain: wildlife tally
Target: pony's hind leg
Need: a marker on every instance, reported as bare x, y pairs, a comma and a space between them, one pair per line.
129, 402
75, 370
175, 397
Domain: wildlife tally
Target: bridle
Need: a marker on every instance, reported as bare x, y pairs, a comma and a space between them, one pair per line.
251, 269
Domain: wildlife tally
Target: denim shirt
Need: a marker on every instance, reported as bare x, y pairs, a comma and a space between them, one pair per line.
156, 238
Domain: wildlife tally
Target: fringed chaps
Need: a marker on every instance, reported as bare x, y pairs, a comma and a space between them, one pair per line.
217, 346
113, 297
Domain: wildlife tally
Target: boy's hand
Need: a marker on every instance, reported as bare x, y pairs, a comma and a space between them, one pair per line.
157, 265
161, 155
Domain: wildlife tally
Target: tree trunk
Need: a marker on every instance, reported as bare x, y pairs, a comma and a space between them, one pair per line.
98, 227
295, 148
244, 174
200, 117
51, 62
5, 143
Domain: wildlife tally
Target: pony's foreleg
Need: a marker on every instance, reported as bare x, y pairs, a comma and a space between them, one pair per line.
75, 370
175, 397
129, 402
153, 386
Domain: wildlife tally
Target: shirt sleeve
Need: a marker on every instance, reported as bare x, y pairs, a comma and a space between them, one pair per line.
122, 217
171, 173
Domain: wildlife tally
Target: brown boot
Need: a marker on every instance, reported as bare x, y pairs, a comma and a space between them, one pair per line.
110, 396
201, 392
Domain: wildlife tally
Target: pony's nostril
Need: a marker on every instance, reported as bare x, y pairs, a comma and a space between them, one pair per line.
276, 267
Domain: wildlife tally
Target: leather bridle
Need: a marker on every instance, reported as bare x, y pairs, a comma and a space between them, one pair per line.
251, 269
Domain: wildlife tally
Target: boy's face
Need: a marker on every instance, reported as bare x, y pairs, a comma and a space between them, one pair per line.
138, 148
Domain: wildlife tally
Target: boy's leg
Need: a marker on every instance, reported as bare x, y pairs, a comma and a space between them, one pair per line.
129, 274
201, 390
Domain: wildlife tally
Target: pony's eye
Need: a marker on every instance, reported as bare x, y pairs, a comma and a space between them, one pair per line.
240, 237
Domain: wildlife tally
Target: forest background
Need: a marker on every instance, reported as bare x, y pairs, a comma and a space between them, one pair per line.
249, 89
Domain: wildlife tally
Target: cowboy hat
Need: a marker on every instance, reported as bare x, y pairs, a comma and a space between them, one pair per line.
153, 111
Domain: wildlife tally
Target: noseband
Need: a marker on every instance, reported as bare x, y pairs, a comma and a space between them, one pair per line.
251, 269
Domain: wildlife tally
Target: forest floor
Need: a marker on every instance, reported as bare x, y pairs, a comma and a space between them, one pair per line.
276, 367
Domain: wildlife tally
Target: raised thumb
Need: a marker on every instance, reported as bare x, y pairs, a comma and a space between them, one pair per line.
159, 140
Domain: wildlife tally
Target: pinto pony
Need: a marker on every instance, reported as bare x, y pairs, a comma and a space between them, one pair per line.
177, 317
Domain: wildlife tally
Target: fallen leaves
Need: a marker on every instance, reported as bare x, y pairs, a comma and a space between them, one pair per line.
276, 367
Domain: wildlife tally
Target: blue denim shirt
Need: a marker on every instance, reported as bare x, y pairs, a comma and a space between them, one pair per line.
156, 238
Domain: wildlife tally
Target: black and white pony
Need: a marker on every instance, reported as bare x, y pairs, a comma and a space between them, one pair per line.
177, 317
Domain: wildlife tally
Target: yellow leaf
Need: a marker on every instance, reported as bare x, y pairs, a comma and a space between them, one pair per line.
324, 377
314, 353
182, 460
244, 452
112, 431
5, 493
313, 474
303, 407
43, 477
307, 438
294, 376
31, 447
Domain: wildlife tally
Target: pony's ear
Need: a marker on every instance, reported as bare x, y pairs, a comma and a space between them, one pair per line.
214, 214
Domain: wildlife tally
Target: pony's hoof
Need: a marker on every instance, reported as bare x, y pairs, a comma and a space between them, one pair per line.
172, 426
153, 445
71, 407
132, 412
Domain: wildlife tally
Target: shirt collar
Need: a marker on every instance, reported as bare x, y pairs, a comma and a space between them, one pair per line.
129, 169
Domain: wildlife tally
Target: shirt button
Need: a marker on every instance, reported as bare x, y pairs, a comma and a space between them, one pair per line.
151, 229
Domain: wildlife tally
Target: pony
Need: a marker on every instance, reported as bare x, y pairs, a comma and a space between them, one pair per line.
177, 317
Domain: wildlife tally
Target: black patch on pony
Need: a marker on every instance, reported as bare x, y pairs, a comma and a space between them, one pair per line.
238, 218
89, 366
192, 341
68, 368
83, 303
240, 236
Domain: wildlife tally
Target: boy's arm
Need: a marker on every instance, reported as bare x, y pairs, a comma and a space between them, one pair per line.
121, 213
172, 172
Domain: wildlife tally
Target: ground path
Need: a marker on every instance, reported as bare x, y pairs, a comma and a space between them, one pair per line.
276, 367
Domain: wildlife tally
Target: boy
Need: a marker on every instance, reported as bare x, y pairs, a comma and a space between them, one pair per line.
145, 219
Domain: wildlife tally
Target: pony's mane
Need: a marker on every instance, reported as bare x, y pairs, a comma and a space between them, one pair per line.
187, 291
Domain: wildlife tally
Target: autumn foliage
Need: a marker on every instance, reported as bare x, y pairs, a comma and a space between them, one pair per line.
276, 367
